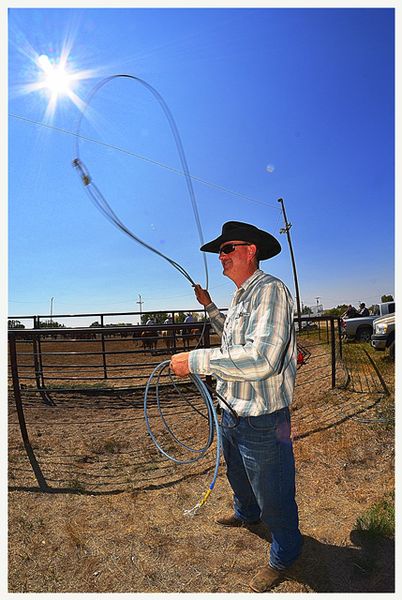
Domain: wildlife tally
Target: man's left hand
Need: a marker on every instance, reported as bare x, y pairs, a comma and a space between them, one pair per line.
179, 364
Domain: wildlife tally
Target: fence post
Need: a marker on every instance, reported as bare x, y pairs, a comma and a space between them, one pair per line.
339, 336
333, 352
21, 418
38, 367
103, 351
174, 333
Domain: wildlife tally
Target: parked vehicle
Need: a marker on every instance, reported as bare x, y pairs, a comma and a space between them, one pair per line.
361, 328
383, 337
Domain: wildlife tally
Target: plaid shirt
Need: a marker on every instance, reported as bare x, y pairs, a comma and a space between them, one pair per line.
255, 366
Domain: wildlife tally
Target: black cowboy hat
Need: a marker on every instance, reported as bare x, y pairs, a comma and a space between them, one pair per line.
267, 245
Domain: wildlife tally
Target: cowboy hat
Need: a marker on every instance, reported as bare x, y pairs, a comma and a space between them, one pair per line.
267, 245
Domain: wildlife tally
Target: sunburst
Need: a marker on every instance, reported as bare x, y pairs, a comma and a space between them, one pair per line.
55, 77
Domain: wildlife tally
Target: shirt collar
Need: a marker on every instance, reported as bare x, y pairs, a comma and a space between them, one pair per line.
247, 283
257, 273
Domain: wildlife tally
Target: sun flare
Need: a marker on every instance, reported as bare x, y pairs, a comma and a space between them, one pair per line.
55, 77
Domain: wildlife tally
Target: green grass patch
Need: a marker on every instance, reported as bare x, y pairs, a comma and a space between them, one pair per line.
379, 519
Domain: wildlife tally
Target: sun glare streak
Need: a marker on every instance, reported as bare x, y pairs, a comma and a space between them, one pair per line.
80, 104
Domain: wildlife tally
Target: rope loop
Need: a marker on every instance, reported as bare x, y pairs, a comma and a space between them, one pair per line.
100, 201
213, 425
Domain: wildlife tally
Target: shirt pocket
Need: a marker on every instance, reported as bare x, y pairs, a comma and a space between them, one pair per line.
240, 322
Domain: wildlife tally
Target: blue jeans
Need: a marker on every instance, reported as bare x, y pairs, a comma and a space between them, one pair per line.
261, 471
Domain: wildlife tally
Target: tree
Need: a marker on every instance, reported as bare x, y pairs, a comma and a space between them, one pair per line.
95, 324
180, 317
387, 298
338, 311
161, 317
306, 310
50, 324
15, 324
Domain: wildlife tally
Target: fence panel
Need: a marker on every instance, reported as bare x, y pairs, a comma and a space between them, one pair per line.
80, 388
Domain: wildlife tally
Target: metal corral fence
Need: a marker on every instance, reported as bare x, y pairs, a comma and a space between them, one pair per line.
48, 364
120, 358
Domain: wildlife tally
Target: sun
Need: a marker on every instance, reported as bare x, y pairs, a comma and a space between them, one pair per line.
58, 79
55, 73
55, 77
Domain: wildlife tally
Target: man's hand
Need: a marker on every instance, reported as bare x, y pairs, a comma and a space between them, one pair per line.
202, 295
179, 364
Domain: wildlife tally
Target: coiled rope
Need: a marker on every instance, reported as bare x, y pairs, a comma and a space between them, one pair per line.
103, 206
213, 425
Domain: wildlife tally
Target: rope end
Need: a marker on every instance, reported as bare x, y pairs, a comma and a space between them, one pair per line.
77, 164
193, 511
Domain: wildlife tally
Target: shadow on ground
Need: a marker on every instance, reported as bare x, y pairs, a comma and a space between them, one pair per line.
366, 567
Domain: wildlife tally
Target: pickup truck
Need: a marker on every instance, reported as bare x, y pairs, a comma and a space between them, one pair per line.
361, 328
383, 337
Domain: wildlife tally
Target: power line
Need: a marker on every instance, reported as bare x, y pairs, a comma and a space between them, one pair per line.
144, 158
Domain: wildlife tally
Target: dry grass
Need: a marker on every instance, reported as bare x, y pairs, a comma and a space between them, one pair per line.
120, 527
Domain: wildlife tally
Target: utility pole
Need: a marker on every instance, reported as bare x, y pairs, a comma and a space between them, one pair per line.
140, 302
317, 299
286, 230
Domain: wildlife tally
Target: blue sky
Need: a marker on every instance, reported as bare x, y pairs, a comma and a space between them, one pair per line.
269, 103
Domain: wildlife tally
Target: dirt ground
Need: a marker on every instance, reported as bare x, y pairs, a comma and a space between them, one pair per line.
112, 519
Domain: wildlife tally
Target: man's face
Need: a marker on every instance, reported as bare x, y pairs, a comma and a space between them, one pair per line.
237, 262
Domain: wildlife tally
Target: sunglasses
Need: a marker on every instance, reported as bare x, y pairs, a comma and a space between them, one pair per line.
228, 248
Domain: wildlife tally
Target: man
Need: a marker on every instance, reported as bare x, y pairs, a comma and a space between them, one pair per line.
255, 368
363, 310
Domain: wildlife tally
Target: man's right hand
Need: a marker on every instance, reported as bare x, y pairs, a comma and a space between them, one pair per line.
202, 295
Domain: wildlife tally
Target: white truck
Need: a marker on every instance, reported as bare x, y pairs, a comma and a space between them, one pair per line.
383, 337
361, 328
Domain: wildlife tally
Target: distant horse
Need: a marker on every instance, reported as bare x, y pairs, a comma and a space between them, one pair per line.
189, 335
167, 335
148, 338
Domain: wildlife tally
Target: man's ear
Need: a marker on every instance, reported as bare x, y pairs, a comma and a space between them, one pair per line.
252, 250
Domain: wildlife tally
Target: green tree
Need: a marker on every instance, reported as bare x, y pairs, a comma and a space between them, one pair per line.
337, 311
180, 316
387, 298
15, 324
161, 317
50, 324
